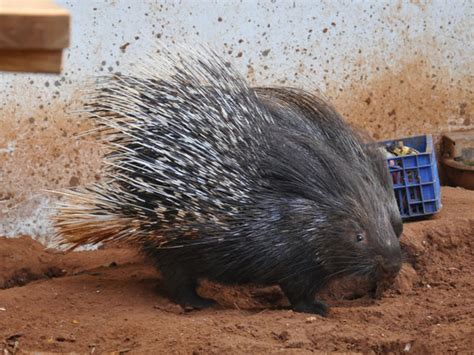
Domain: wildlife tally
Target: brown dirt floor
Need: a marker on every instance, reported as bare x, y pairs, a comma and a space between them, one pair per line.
111, 301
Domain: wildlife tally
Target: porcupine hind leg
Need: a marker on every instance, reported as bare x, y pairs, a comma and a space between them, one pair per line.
303, 300
181, 287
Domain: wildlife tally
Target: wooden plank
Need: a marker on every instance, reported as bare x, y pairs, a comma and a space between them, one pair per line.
43, 61
33, 24
32, 35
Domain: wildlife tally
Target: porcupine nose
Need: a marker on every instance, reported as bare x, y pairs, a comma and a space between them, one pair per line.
390, 261
388, 266
391, 267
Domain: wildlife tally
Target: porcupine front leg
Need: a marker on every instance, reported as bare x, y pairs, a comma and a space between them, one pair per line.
181, 287
302, 299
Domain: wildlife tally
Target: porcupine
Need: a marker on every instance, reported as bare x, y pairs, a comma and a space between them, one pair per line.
213, 179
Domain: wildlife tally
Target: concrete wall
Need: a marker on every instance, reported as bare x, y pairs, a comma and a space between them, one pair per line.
396, 68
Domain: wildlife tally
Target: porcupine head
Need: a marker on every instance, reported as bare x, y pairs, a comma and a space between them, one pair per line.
212, 179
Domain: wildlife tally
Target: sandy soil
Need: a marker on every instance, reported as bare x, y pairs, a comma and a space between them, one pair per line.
112, 301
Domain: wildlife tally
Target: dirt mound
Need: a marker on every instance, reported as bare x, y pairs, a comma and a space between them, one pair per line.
112, 301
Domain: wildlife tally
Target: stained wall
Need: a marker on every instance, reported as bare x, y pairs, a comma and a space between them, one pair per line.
396, 68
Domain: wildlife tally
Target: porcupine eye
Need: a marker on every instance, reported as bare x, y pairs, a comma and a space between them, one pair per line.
360, 237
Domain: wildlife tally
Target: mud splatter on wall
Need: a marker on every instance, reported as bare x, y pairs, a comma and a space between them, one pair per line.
411, 99
396, 68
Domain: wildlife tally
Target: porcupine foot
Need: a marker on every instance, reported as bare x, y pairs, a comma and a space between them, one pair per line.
181, 288
315, 306
304, 302
188, 298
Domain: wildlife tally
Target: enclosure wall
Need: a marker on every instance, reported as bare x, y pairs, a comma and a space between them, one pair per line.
396, 68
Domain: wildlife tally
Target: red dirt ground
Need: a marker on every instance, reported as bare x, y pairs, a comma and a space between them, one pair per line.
111, 301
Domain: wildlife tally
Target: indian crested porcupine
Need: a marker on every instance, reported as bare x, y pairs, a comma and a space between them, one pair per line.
216, 180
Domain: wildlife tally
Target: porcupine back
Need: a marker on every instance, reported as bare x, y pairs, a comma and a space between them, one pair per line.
295, 109
184, 144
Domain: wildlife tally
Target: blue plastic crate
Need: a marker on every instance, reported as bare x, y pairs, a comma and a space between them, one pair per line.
415, 178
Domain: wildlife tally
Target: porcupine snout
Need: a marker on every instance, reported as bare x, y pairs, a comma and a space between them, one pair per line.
389, 260
391, 266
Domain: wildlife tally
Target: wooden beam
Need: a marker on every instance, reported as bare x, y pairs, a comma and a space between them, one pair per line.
33, 34
36, 61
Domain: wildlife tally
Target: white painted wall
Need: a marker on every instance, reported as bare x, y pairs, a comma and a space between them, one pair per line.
385, 32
